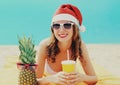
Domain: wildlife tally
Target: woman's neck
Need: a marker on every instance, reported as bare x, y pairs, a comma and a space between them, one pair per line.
63, 46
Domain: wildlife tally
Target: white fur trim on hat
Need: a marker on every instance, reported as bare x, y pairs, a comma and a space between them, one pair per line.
82, 28
65, 17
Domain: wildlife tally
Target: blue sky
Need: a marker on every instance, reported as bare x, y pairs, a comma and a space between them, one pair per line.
33, 18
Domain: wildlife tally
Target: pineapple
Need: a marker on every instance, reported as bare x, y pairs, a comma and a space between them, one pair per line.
27, 62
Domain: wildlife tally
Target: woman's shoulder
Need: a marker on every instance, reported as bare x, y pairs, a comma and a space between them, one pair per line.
82, 43
44, 42
83, 46
41, 50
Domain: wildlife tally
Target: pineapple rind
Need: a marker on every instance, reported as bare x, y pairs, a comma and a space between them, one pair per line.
27, 76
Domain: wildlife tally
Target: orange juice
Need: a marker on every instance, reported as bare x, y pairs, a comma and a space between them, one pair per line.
68, 66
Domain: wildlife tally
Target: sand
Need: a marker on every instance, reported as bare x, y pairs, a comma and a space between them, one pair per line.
106, 55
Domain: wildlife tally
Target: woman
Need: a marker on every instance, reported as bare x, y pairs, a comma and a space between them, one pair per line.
65, 36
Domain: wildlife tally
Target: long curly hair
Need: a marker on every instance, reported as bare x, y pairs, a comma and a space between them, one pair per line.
53, 49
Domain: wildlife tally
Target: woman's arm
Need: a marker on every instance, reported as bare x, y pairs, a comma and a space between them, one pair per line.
58, 78
41, 57
76, 77
85, 61
90, 76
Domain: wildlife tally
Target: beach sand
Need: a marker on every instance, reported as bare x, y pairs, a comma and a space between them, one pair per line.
106, 55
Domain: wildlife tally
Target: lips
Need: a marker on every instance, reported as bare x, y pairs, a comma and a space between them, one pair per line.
62, 35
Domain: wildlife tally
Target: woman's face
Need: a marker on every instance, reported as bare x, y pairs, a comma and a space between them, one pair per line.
63, 30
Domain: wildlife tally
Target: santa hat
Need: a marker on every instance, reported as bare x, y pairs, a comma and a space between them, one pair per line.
70, 13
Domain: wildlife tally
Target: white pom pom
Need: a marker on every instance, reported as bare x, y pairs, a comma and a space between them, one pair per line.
82, 28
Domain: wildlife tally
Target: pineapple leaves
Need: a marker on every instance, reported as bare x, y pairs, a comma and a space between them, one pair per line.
27, 51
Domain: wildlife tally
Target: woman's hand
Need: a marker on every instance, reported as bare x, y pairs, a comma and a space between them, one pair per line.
60, 78
74, 78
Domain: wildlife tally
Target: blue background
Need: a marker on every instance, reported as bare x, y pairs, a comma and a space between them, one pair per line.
33, 18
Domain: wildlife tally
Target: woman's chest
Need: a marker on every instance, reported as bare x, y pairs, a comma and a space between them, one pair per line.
57, 66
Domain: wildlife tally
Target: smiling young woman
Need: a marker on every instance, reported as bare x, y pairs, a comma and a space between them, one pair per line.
65, 28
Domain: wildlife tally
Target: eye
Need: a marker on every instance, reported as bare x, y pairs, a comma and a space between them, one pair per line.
67, 25
56, 26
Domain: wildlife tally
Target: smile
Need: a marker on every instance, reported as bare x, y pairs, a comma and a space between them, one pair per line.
62, 35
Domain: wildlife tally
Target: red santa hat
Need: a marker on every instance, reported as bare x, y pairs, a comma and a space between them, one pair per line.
70, 13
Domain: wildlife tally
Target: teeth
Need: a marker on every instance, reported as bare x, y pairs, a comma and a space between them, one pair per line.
62, 35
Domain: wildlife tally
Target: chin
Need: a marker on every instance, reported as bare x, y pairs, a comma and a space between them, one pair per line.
63, 40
